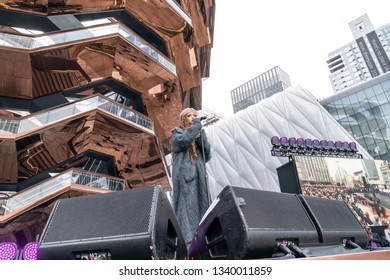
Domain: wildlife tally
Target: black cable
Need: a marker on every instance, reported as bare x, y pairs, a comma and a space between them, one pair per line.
352, 244
284, 249
298, 251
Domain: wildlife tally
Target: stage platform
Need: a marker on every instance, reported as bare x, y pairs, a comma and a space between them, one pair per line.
371, 255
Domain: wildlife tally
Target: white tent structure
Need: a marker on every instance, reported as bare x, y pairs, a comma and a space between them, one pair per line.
241, 145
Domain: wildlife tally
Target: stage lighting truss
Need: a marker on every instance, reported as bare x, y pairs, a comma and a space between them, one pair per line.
288, 147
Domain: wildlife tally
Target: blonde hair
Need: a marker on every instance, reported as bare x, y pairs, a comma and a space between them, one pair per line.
192, 150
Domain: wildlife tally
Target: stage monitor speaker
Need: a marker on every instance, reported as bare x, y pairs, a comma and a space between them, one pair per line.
130, 224
334, 221
248, 224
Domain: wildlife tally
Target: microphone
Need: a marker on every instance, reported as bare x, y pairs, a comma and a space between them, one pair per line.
203, 118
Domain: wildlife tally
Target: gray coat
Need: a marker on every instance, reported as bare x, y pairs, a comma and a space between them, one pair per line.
190, 194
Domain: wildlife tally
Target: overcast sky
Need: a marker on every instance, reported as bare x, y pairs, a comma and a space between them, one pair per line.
253, 36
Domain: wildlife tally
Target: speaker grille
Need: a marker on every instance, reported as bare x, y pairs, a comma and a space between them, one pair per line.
271, 210
333, 215
115, 212
335, 221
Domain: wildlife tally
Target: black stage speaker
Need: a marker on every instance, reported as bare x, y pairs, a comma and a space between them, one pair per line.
248, 224
288, 178
334, 221
129, 224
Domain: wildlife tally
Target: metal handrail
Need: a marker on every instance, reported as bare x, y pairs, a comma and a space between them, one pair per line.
64, 37
26, 123
180, 11
51, 185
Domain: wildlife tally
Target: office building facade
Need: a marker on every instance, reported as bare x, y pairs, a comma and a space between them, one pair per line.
363, 59
361, 81
313, 170
265, 85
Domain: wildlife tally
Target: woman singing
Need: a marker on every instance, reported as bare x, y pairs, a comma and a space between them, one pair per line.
190, 193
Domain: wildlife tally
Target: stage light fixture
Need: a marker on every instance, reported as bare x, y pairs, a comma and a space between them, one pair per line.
8, 251
338, 144
316, 143
308, 142
30, 251
275, 141
283, 141
288, 147
292, 141
353, 146
300, 142
324, 144
345, 146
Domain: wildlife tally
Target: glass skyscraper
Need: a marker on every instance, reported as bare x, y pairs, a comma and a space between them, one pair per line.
364, 111
265, 85
361, 80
